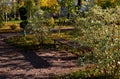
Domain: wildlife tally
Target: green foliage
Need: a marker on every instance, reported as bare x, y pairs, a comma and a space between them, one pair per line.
68, 4
84, 74
107, 3
1, 16
100, 29
38, 27
29, 5
1, 20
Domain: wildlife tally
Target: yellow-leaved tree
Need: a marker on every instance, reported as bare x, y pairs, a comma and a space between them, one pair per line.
50, 5
21, 3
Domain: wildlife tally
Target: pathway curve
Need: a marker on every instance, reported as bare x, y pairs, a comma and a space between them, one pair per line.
42, 64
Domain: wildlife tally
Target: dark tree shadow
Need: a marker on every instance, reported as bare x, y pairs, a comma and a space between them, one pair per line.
35, 60
3, 76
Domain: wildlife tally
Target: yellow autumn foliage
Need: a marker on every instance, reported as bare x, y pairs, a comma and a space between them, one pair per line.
43, 3
48, 3
22, 3
84, 2
51, 21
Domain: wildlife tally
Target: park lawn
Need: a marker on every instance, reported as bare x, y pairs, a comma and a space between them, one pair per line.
7, 26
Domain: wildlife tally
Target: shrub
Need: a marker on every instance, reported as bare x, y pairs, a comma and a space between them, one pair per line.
84, 74
107, 3
100, 29
37, 26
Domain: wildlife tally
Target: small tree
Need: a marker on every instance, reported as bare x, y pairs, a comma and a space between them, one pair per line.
37, 26
51, 6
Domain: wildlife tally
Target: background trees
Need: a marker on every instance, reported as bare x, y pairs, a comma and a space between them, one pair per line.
107, 3
29, 5
1, 15
51, 6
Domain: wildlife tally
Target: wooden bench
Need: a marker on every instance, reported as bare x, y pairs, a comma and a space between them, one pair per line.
73, 44
62, 29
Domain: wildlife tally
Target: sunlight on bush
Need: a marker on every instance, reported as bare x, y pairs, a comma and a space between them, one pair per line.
101, 30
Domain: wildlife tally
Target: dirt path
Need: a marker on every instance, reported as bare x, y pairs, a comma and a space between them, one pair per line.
42, 64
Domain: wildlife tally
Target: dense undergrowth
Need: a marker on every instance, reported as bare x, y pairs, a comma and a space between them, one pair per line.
99, 29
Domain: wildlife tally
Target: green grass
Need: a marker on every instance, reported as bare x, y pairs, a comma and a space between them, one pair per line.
21, 42
84, 74
28, 43
14, 21
7, 26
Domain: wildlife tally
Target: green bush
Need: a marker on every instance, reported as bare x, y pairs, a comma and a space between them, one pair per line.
101, 30
87, 74
106, 4
37, 26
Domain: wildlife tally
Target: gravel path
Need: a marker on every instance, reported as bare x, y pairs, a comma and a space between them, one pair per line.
42, 64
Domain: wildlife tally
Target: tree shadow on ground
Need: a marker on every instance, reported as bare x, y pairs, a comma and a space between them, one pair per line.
35, 60
3, 76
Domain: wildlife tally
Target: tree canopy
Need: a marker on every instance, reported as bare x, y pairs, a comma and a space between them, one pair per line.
1, 14
50, 5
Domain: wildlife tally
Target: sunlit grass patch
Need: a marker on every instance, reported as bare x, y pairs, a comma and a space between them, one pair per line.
10, 26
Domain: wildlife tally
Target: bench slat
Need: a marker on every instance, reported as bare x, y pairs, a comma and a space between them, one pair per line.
73, 44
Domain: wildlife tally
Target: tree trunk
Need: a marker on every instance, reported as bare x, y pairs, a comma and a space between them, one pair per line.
79, 2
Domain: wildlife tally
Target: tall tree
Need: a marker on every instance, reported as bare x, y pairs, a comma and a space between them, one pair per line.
29, 5
79, 2
6, 8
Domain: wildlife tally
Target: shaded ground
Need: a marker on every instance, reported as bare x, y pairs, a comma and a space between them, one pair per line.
42, 64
